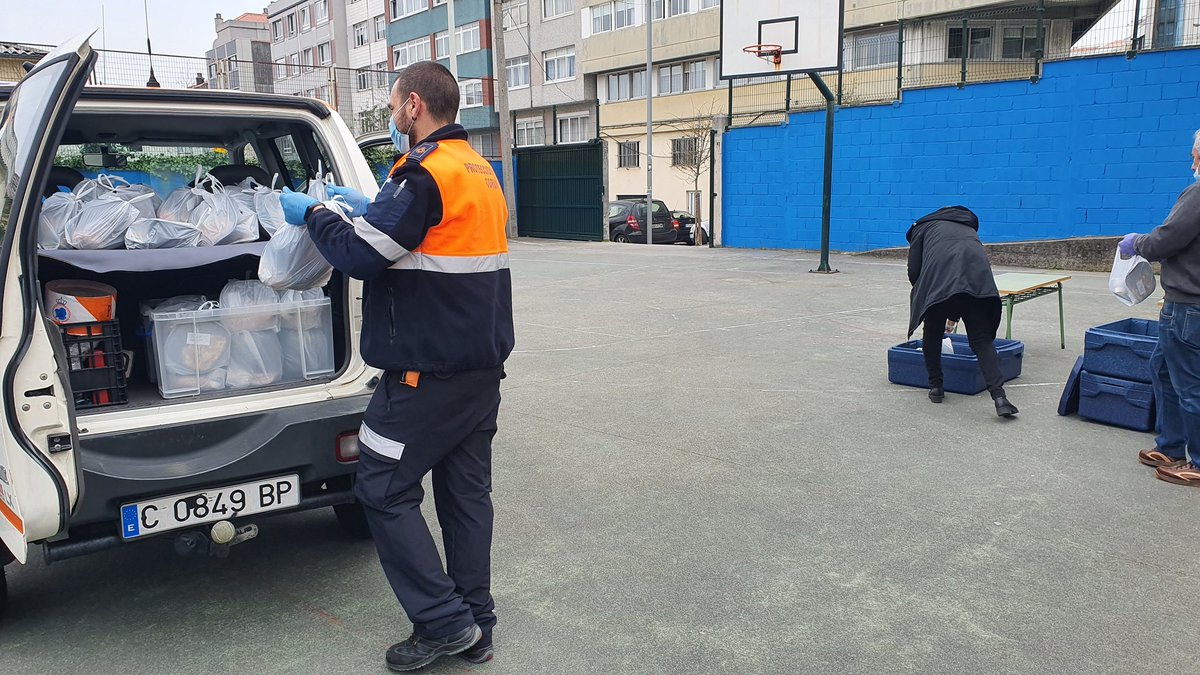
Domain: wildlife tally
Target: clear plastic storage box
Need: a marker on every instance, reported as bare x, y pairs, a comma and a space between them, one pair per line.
240, 348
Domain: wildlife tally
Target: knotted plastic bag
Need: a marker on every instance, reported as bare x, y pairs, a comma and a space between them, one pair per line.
130, 192
1131, 279
268, 208
101, 223
162, 233
220, 218
58, 210
291, 261
255, 360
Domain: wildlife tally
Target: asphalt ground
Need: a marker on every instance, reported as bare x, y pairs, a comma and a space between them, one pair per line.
702, 468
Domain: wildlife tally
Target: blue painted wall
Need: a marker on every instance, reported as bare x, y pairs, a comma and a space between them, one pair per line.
1100, 146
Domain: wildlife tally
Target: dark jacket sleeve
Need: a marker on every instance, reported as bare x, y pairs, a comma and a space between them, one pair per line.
395, 224
1181, 227
915, 251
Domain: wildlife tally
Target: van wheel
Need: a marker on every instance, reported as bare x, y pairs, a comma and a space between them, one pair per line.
353, 520
620, 238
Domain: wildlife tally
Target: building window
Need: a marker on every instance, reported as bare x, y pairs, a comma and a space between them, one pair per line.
602, 18
381, 75
280, 69
518, 72
629, 154
709, 4
323, 94
294, 65
403, 8
321, 9
516, 13
304, 22
411, 52
684, 152
555, 8
623, 13
530, 132
472, 93
626, 86
360, 34
1019, 42
441, 45
560, 64
306, 57
681, 77
870, 51
365, 79
291, 25
324, 54
438, 2
487, 145
277, 30
573, 128
979, 42
467, 38
380, 28
672, 7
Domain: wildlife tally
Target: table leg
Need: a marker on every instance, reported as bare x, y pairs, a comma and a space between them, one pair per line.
1062, 329
1008, 330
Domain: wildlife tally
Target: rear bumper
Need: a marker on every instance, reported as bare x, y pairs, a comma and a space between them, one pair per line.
120, 468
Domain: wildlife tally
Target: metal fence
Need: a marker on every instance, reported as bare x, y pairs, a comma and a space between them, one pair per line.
359, 95
1009, 43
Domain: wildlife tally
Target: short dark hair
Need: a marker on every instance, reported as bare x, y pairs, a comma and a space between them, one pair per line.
435, 85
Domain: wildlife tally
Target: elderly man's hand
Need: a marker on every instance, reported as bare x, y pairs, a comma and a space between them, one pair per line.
1127, 247
295, 205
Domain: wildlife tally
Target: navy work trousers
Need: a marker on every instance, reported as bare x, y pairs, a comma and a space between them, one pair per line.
444, 424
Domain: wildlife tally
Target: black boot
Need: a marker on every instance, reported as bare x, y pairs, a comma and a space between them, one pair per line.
480, 652
937, 394
1004, 408
418, 652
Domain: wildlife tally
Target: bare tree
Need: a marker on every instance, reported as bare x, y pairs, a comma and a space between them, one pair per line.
692, 150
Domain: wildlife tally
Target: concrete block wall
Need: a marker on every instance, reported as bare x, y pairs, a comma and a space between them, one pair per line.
1100, 146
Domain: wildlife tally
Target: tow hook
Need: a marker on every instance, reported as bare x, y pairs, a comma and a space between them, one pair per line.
217, 542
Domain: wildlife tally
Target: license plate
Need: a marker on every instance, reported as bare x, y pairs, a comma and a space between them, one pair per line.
163, 514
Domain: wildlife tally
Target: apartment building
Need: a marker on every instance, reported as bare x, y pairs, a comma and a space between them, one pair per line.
241, 54
552, 102
309, 50
367, 37
458, 36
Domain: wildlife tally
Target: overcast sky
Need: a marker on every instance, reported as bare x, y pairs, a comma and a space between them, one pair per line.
176, 26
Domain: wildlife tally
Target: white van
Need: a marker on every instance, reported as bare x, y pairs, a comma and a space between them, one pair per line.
202, 468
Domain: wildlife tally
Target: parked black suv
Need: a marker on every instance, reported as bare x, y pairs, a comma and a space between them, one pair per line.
627, 222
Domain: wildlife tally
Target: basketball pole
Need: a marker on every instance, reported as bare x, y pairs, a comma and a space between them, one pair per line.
827, 189
649, 123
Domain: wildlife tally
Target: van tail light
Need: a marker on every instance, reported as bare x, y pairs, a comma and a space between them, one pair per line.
633, 223
346, 448
675, 223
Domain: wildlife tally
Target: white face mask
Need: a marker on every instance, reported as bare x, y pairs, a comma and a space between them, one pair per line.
1196, 173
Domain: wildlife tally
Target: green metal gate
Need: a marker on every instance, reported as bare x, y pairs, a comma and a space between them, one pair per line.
560, 192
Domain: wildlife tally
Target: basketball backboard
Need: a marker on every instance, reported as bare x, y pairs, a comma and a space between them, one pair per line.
782, 36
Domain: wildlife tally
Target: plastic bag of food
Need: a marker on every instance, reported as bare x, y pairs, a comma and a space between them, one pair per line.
162, 233
255, 360
1132, 279
58, 210
258, 302
306, 353
101, 224
193, 348
316, 184
268, 208
291, 261
130, 192
220, 218
300, 319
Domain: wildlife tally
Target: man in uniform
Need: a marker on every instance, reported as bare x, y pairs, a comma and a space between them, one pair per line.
437, 320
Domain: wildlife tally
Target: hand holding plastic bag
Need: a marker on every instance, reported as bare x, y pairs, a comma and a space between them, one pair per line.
1132, 279
291, 261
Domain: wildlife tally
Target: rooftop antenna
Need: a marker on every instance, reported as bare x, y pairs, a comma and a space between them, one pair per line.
152, 82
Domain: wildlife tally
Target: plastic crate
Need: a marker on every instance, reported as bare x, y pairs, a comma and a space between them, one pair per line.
960, 370
1121, 349
1116, 402
95, 363
242, 348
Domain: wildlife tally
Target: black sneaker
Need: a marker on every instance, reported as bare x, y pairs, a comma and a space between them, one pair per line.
480, 652
418, 652
1004, 408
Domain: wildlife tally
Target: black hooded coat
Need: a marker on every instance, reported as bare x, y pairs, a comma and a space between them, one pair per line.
946, 258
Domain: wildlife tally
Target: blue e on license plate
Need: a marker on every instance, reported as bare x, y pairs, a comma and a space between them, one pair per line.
163, 514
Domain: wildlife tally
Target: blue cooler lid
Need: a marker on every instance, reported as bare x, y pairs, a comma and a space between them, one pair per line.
1069, 403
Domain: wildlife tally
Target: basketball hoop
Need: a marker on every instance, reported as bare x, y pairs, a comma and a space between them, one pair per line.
772, 53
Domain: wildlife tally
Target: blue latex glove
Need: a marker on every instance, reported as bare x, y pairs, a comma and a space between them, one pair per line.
295, 204
357, 201
1126, 247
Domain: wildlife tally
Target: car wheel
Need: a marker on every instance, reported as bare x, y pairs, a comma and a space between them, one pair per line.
353, 520
620, 238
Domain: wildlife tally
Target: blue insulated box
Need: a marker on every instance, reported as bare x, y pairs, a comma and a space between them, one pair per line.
1069, 401
1121, 349
960, 370
1116, 402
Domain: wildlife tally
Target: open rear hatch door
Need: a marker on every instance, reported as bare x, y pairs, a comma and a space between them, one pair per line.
39, 478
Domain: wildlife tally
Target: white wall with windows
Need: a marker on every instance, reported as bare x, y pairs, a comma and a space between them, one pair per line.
605, 17
683, 77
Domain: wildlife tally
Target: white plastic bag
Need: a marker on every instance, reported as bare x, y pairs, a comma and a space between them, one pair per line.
101, 224
947, 346
132, 193
1132, 279
291, 261
58, 210
255, 360
261, 301
220, 218
304, 319
306, 353
195, 348
178, 205
316, 185
162, 233
268, 208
